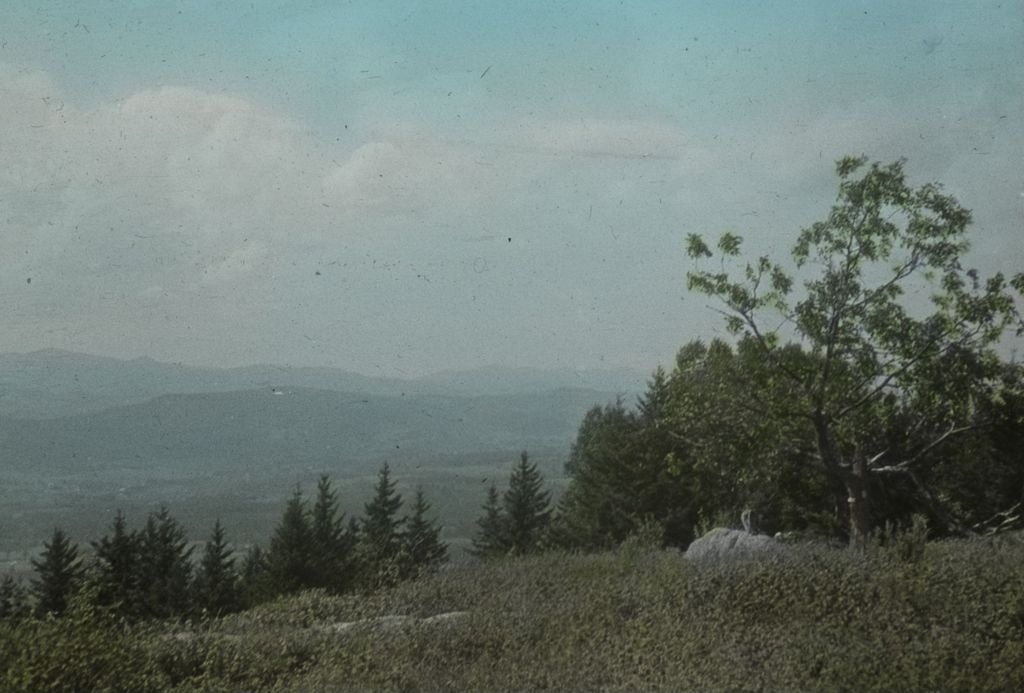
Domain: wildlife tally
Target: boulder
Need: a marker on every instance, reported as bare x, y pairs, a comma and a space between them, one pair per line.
721, 543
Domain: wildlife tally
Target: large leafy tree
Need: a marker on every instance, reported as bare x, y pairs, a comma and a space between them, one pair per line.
614, 477
58, 574
874, 353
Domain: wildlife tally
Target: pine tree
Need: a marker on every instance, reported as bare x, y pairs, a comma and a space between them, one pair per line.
291, 561
118, 566
333, 542
254, 586
13, 599
216, 586
380, 535
422, 538
166, 569
527, 507
492, 539
59, 572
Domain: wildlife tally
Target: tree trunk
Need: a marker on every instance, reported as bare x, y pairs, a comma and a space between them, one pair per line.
854, 479
857, 489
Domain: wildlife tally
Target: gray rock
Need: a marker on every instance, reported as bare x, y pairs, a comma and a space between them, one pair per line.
721, 543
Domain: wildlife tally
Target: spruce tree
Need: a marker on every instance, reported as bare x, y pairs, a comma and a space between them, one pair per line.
492, 538
380, 535
59, 572
291, 564
527, 507
119, 569
333, 542
422, 542
13, 599
216, 587
255, 587
166, 568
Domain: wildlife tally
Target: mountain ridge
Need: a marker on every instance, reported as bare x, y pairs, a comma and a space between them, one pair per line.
51, 383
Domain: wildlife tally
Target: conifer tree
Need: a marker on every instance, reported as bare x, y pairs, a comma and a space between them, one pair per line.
422, 538
216, 587
380, 535
492, 538
118, 566
166, 568
13, 599
291, 561
59, 572
254, 584
527, 507
332, 540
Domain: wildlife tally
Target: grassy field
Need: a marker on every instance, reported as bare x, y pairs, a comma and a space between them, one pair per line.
948, 618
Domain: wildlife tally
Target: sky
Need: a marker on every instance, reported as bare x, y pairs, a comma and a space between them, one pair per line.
397, 188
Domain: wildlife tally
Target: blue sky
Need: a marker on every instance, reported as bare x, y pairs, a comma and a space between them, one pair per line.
398, 188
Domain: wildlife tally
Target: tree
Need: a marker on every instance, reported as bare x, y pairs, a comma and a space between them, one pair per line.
58, 573
119, 568
255, 587
380, 535
527, 507
421, 538
13, 599
873, 353
291, 561
491, 539
216, 586
333, 542
165, 566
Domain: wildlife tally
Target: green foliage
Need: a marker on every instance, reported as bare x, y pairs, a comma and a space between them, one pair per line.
421, 539
379, 547
624, 466
118, 565
872, 353
91, 648
216, 589
165, 567
14, 603
256, 586
334, 544
527, 507
291, 561
491, 539
636, 619
58, 574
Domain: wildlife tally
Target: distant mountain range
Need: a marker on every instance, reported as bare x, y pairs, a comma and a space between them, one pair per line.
285, 427
65, 413
51, 383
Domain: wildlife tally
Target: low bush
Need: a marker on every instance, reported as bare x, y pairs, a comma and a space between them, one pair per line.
947, 617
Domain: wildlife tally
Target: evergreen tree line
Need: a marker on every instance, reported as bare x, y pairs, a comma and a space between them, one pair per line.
150, 573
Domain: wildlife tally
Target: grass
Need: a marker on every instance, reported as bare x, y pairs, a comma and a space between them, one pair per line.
950, 618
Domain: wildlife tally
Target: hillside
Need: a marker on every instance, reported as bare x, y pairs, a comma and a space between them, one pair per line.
276, 427
815, 619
